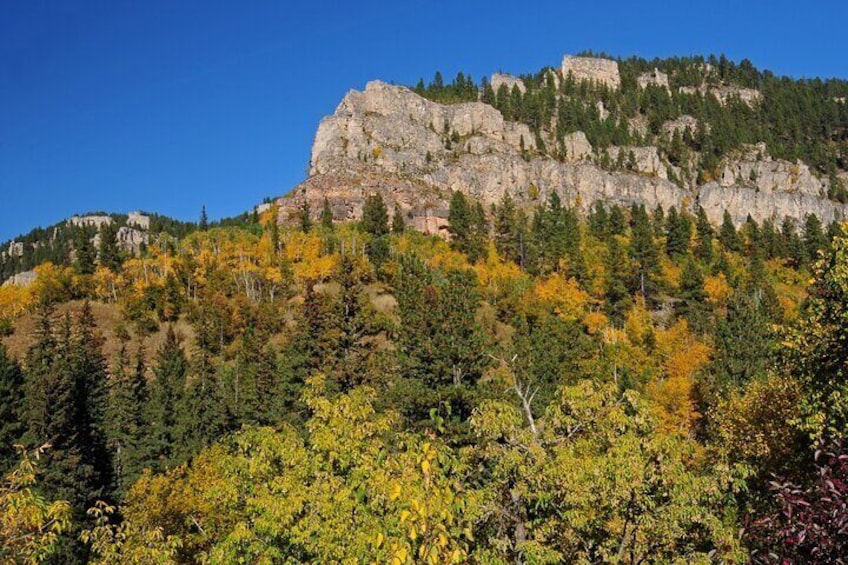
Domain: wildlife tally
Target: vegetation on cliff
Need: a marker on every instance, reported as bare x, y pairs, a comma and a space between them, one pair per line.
542, 388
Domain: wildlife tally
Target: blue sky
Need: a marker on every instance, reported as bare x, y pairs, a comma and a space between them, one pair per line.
170, 105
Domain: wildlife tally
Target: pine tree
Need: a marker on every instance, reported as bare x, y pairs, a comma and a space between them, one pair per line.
108, 254
704, 234
814, 237
643, 253
84, 254
460, 223
202, 416
398, 222
11, 409
127, 425
678, 233
727, 234
616, 296
693, 298
166, 392
375, 216
327, 216
617, 223
203, 224
305, 217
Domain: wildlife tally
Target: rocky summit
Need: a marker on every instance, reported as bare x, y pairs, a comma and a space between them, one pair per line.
414, 151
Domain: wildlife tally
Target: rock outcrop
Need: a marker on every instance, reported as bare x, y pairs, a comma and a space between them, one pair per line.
653, 78
601, 71
415, 152
95, 221
25, 278
501, 79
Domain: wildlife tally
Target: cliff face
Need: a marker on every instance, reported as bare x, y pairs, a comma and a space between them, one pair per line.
388, 139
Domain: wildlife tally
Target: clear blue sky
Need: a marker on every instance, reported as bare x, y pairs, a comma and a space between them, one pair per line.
169, 105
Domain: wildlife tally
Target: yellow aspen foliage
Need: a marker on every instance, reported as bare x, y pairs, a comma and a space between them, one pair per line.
309, 263
105, 285
638, 325
682, 357
595, 322
565, 296
717, 289
14, 301
52, 283
670, 272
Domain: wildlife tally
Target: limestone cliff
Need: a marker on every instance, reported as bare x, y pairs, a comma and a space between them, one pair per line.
414, 151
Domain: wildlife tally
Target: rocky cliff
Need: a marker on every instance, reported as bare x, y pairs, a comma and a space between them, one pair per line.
414, 151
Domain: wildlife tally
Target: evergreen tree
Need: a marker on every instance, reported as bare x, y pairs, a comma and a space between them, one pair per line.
617, 223
693, 298
108, 254
127, 427
704, 233
84, 254
599, 221
643, 253
375, 216
678, 232
727, 234
460, 223
11, 409
202, 415
616, 296
398, 222
203, 224
814, 237
304, 215
327, 216
166, 392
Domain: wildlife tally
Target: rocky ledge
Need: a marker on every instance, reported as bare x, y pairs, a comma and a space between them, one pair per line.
414, 151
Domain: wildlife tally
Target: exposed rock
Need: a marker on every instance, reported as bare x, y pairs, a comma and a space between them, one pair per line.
16, 248
503, 79
21, 279
130, 239
602, 110
601, 71
95, 221
414, 152
653, 78
577, 147
138, 220
646, 160
680, 125
725, 94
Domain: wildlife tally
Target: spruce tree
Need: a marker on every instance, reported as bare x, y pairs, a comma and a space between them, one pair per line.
617, 223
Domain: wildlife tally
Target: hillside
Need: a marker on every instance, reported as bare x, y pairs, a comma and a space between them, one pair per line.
463, 339
677, 132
